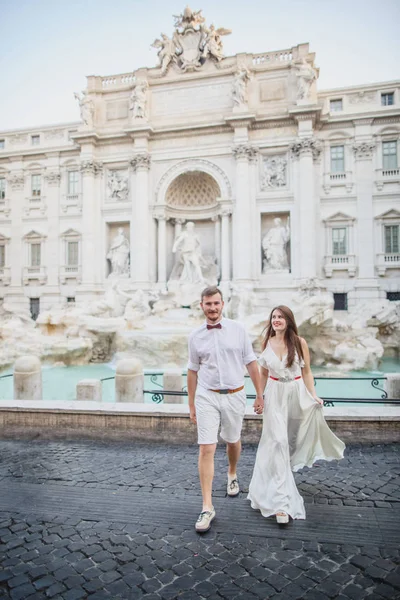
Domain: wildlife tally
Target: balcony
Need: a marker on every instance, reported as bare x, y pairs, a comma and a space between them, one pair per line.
68, 273
335, 180
5, 207
387, 260
340, 262
5, 275
71, 201
386, 176
35, 204
38, 274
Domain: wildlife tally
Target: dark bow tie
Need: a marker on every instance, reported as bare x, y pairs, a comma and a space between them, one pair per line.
218, 326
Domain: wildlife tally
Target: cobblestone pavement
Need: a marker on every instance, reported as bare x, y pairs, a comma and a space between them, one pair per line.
107, 520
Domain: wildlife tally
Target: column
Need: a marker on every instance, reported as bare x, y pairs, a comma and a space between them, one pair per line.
89, 170
242, 251
217, 238
306, 150
178, 227
162, 251
140, 258
225, 246
367, 283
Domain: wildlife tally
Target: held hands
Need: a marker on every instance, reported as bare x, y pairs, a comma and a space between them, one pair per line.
192, 411
258, 405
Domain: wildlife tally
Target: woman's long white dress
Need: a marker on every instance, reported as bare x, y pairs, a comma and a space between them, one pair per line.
294, 435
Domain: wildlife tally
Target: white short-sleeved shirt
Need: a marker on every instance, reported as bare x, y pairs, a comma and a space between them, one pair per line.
219, 355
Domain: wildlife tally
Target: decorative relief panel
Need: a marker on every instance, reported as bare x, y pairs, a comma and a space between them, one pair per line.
53, 178
193, 189
54, 134
274, 172
117, 186
362, 97
18, 138
363, 150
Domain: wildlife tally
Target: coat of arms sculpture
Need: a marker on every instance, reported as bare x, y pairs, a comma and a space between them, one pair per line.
191, 44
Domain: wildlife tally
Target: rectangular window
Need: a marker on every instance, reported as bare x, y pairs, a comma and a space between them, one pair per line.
339, 240
2, 188
387, 99
340, 301
2, 144
393, 296
336, 105
73, 182
337, 159
36, 182
70, 300
34, 305
2, 256
389, 155
72, 254
36, 255
35, 140
392, 239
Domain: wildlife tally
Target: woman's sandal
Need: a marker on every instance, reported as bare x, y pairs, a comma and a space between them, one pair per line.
282, 517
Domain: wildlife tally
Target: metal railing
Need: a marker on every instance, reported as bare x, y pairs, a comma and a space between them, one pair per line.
157, 396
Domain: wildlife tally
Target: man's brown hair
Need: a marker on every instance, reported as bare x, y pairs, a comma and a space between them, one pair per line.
211, 291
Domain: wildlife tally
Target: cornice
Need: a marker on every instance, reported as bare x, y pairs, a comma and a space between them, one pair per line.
240, 120
89, 137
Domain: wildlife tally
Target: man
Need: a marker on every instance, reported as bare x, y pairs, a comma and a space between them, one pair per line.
218, 351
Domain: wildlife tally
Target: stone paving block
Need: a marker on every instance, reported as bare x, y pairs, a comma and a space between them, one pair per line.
386, 591
55, 590
355, 592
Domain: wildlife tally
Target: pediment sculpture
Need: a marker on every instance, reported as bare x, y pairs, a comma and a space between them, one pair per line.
192, 43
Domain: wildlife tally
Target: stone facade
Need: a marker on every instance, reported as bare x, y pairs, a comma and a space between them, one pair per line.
237, 146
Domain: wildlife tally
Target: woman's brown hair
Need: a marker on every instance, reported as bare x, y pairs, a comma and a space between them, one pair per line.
292, 339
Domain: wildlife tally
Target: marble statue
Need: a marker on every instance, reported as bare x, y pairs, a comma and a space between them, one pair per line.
189, 18
274, 244
274, 174
117, 186
118, 254
189, 246
239, 85
191, 44
213, 45
167, 51
306, 75
137, 309
86, 106
138, 99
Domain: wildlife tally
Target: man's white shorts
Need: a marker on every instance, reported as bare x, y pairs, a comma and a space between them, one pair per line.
214, 409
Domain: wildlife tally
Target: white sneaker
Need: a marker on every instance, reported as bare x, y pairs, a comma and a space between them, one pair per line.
203, 523
282, 517
233, 489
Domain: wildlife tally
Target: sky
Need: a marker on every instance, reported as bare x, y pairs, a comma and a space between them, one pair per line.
50, 46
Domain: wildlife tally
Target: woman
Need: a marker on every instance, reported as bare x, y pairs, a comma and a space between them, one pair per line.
295, 433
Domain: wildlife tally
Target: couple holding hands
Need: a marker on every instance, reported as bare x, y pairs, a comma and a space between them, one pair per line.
294, 432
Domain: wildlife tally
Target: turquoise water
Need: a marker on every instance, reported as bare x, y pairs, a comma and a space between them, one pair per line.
59, 383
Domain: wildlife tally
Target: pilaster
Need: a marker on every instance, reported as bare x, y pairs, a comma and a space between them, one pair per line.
243, 264
140, 247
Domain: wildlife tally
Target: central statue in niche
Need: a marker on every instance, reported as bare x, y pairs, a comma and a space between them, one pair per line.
189, 246
192, 271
